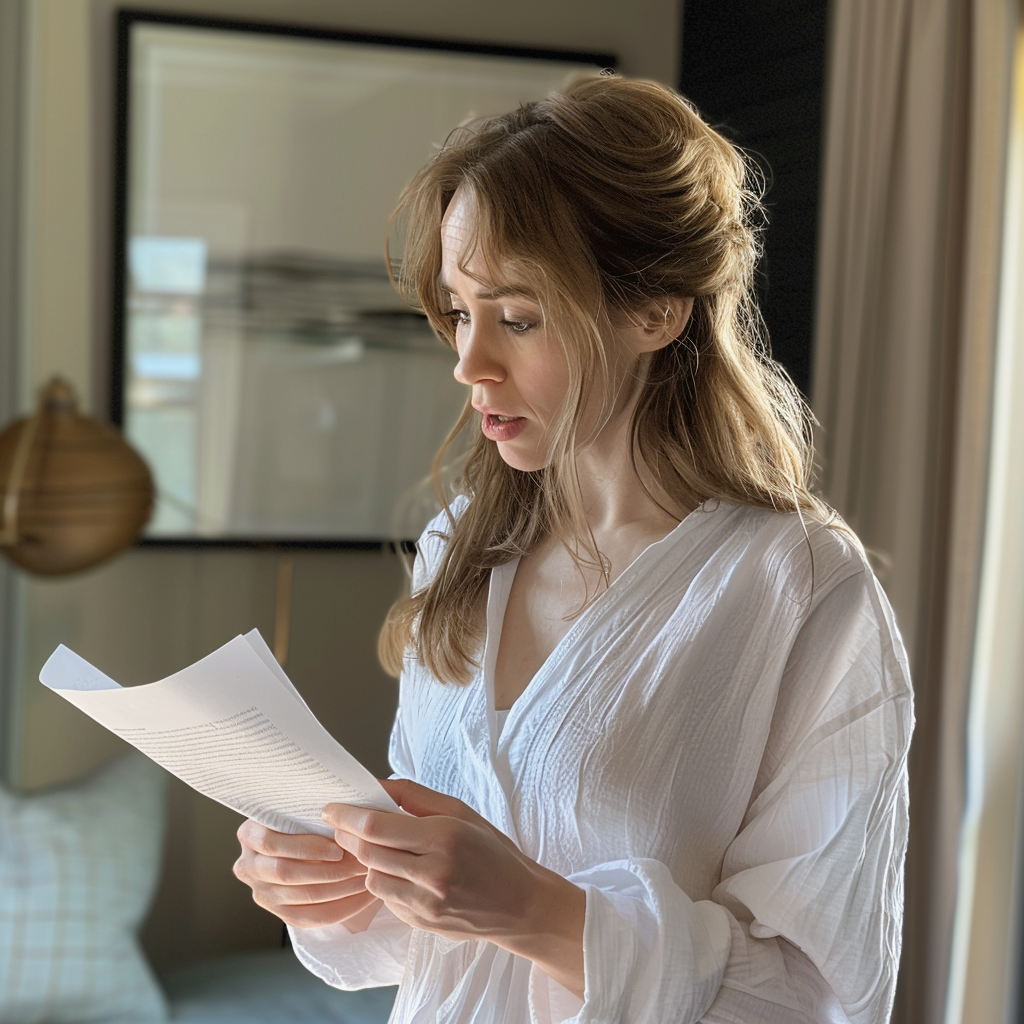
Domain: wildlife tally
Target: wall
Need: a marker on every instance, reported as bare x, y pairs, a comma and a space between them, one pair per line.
11, 119
150, 612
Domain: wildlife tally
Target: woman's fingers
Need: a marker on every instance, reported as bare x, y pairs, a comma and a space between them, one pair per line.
422, 801
426, 803
255, 867
379, 828
306, 880
271, 858
410, 831
325, 892
260, 839
377, 856
317, 915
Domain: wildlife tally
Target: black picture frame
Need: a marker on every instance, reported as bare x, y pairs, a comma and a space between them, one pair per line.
128, 21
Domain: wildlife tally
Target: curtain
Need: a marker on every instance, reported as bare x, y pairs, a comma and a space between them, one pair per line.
907, 301
988, 950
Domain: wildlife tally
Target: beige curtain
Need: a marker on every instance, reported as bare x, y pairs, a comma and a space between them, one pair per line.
904, 355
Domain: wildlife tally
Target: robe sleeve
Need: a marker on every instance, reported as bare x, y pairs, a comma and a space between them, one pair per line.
804, 926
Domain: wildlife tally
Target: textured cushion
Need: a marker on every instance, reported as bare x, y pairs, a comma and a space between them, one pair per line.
267, 987
78, 866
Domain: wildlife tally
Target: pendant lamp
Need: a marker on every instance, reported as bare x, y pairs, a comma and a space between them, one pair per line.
73, 492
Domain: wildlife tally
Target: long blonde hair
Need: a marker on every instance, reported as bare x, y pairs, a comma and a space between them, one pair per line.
599, 199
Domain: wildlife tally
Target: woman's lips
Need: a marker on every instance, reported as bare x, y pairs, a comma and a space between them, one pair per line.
501, 428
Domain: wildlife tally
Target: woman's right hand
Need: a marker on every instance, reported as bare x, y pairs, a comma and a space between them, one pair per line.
306, 880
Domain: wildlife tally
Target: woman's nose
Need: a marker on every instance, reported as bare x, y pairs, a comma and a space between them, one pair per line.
478, 362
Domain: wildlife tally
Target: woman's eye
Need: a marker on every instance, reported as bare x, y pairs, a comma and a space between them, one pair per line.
518, 326
461, 318
457, 317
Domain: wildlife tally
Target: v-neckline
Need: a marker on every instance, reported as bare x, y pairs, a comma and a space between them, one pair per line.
499, 590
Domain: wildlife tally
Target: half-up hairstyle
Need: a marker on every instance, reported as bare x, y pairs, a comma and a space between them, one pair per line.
598, 200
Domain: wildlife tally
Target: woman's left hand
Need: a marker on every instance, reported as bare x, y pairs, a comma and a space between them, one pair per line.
446, 869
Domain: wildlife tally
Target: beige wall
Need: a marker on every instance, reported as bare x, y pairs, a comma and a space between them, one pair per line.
151, 612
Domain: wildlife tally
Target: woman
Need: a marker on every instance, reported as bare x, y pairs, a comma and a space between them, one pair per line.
696, 808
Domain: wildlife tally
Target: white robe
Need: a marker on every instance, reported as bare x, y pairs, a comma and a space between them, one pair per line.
716, 753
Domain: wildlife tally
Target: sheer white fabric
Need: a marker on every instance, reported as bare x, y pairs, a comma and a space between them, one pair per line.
716, 753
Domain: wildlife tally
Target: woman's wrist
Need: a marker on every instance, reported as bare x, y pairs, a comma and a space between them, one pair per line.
551, 933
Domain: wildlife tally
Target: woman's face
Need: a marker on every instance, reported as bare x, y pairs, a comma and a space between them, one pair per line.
516, 369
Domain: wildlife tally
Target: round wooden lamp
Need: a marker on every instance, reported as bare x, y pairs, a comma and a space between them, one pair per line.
73, 492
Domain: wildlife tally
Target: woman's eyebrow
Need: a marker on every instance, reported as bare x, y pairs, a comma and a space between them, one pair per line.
503, 291
500, 292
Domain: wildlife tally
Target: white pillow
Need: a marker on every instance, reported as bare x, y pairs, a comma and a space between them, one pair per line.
78, 867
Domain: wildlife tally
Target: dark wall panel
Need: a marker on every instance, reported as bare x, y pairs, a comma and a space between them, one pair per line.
755, 70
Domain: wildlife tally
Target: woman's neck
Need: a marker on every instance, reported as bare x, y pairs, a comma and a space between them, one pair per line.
615, 495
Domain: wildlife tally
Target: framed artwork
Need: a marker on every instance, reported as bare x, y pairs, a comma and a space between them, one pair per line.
262, 363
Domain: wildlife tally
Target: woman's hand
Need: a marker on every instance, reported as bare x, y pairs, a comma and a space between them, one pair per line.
445, 869
306, 880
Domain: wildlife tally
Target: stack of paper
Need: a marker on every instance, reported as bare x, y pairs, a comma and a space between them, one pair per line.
233, 727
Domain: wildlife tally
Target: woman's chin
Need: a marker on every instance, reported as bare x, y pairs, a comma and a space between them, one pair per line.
524, 461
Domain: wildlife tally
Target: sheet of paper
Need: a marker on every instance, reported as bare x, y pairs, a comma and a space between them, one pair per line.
234, 728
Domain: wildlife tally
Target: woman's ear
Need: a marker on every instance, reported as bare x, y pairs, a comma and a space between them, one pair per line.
658, 323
